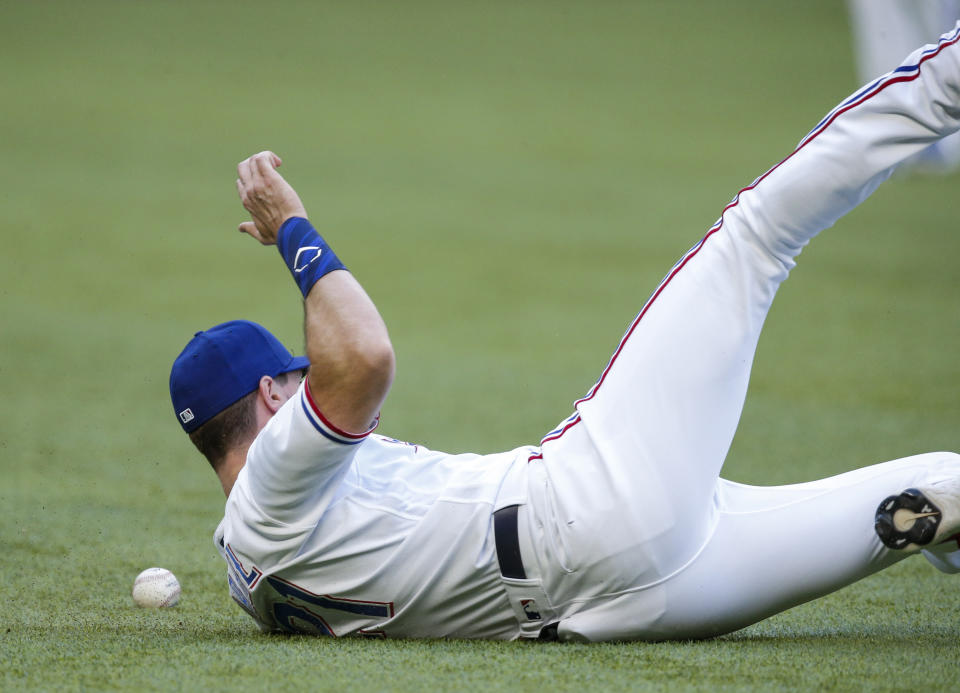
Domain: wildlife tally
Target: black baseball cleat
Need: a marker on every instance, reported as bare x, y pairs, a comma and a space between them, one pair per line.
908, 520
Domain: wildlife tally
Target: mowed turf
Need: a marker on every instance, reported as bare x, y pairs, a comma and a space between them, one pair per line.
509, 180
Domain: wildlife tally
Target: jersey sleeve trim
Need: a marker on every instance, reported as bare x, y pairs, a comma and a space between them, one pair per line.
327, 429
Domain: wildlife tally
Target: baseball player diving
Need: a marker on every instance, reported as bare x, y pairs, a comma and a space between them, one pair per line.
617, 525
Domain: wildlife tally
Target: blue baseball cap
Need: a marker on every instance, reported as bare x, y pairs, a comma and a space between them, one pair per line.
221, 365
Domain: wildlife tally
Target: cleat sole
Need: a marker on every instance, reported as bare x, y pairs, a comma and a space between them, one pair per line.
905, 520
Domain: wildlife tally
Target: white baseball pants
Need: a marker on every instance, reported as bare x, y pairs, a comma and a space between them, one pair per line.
629, 527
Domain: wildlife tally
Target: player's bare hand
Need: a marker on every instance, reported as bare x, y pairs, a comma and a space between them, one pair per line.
267, 196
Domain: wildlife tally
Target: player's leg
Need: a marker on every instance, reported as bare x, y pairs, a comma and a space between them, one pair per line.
777, 547
663, 414
886, 30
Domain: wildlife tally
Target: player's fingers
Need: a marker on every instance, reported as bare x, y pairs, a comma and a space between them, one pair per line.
248, 227
269, 156
243, 171
244, 191
265, 166
257, 179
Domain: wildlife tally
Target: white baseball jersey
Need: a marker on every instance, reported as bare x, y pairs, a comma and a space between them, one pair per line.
624, 527
338, 534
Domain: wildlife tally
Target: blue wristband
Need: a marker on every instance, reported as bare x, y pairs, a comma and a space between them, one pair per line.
307, 255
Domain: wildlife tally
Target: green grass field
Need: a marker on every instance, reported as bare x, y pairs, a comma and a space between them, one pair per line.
509, 180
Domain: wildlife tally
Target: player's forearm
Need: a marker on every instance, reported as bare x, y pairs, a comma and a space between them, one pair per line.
351, 357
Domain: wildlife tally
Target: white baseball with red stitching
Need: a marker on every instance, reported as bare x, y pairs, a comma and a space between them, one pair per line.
156, 587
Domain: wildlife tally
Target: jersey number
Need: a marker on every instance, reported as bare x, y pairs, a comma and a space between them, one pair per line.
301, 612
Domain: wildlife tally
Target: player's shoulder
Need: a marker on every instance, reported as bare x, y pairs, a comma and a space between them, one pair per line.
300, 444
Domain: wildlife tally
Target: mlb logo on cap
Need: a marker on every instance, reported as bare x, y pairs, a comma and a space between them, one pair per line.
223, 364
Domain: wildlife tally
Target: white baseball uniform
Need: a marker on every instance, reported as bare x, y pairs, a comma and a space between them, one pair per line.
886, 30
624, 529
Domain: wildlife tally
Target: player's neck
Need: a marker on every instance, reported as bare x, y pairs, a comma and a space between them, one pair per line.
236, 457
232, 463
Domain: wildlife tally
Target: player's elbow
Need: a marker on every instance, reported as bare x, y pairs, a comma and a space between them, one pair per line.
376, 363
362, 366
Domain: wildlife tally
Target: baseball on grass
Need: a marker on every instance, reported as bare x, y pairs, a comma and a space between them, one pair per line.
156, 587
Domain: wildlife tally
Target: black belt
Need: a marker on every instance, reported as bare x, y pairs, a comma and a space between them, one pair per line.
507, 538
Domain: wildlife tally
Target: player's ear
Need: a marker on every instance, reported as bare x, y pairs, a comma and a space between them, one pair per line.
270, 394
